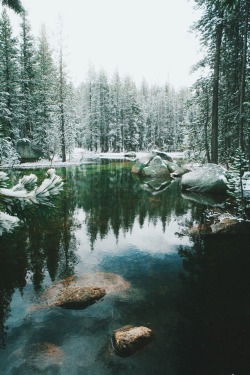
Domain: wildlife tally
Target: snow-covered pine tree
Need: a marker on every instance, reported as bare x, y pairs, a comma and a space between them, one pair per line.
143, 97
131, 115
8, 76
67, 107
26, 109
235, 173
71, 119
46, 132
115, 114
104, 110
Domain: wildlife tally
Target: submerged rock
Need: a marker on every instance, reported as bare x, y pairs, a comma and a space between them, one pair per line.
128, 339
79, 297
82, 291
209, 178
40, 357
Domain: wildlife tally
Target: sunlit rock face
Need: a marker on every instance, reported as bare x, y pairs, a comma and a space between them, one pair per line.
209, 178
128, 339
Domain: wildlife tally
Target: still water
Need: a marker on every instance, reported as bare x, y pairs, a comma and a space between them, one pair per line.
192, 292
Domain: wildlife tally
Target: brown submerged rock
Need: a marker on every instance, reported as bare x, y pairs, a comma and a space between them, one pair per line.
128, 339
231, 226
79, 297
82, 288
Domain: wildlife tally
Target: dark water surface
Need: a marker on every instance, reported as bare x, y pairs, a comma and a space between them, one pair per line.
194, 294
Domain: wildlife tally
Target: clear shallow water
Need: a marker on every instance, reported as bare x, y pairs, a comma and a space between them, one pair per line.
192, 293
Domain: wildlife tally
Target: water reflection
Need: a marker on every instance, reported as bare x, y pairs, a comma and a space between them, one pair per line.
107, 220
216, 307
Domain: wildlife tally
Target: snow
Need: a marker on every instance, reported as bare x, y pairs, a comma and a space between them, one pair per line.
81, 156
7, 222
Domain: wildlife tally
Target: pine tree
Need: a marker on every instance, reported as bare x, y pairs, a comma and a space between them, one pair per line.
71, 119
104, 110
224, 28
26, 110
8, 76
130, 116
115, 142
14, 5
235, 183
46, 130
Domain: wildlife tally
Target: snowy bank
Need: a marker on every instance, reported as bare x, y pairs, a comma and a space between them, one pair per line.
81, 156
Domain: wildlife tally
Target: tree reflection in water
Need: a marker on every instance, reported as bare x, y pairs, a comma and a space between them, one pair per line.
216, 309
206, 322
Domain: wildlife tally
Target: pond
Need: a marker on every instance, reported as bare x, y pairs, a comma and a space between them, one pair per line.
192, 292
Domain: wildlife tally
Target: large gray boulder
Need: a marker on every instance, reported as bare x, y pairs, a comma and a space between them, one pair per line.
209, 178
163, 155
153, 165
128, 339
156, 167
141, 163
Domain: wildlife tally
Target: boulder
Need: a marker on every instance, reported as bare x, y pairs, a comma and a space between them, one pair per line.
156, 167
231, 225
129, 339
224, 226
141, 163
176, 170
130, 154
163, 155
79, 297
209, 178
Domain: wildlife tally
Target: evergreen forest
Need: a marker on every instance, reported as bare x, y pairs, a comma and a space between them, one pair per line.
40, 106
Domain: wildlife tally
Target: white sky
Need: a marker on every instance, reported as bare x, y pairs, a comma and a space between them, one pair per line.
143, 38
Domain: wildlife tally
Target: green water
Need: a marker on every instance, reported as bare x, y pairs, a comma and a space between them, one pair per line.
193, 293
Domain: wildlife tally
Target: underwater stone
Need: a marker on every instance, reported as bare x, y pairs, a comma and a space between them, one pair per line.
79, 297
129, 339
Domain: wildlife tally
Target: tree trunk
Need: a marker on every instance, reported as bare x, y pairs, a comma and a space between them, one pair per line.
63, 143
215, 93
206, 128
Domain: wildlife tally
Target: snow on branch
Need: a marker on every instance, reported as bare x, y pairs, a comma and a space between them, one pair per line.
27, 190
